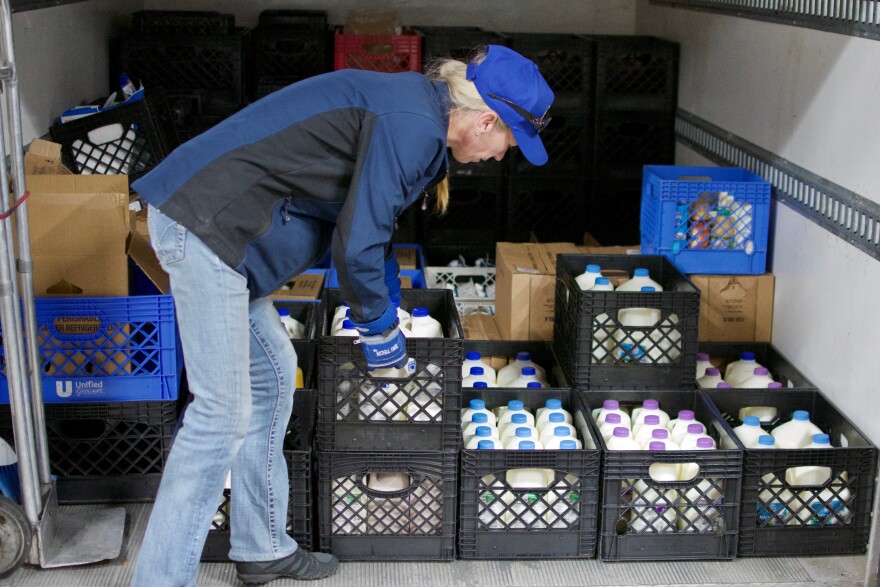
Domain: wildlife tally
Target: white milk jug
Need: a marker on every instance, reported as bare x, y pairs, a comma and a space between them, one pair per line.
423, 325
478, 420
773, 500
797, 432
559, 441
562, 430
606, 428
702, 364
684, 418
515, 406
738, 371
660, 435
748, 433
477, 374
474, 359
649, 407
587, 279
680, 431
710, 379
551, 406
763, 413
347, 329
523, 432
654, 510
527, 377
481, 433
620, 440
551, 421
811, 475
636, 318
760, 379
603, 326
294, 327
516, 420
639, 280
513, 370
699, 506
611, 406
474, 406
644, 431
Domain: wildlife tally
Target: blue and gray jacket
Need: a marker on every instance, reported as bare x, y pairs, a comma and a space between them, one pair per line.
334, 158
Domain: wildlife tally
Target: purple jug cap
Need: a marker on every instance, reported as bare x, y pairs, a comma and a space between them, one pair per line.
723, 385
774, 385
621, 432
685, 415
657, 446
660, 433
695, 428
712, 371
761, 371
702, 356
611, 404
705, 442
612, 418
652, 419
651, 404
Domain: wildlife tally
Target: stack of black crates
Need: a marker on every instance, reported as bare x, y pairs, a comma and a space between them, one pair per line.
289, 46
636, 92
376, 426
298, 447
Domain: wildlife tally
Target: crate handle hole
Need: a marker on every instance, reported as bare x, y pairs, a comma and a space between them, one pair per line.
83, 429
106, 134
378, 48
363, 483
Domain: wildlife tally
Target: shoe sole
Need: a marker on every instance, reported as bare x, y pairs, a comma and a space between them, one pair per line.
263, 579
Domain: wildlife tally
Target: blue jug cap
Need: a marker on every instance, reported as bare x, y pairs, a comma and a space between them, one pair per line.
485, 444
534, 384
801, 415
766, 440
348, 325
527, 445
560, 431
752, 421
472, 356
527, 371
515, 405
553, 404
477, 371
568, 445
648, 288
483, 430
523, 356
593, 268
283, 311
821, 439
481, 384
523, 432
747, 356
640, 272
518, 419
480, 417
602, 281
419, 312
477, 404
559, 417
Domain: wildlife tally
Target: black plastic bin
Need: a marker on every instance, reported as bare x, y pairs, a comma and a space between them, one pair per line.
566, 62
553, 208
106, 452
793, 529
568, 139
416, 523
635, 73
475, 214
497, 351
181, 22
129, 139
781, 369
706, 515
423, 412
499, 521
595, 352
291, 44
299, 456
624, 142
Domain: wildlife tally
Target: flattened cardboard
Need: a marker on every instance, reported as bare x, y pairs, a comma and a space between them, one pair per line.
480, 327
407, 257
306, 286
735, 308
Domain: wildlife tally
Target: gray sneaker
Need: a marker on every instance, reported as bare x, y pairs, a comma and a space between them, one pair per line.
301, 565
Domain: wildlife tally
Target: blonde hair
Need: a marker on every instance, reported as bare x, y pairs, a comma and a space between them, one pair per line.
465, 98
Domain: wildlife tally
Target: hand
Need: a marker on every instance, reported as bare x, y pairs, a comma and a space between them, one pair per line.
385, 349
381, 341
392, 279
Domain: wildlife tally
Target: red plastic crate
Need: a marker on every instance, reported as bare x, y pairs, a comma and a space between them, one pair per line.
389, 54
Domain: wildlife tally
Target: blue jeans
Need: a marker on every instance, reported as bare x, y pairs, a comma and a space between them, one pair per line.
241, 370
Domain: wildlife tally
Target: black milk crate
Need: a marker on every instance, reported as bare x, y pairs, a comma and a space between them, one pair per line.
636, 73
500, 521
299, 456
268, 85
781, 369
416, 523
216, 63
106, 452
197, 125
596, 352
306, 313
566, 62
455, 42
491, 168
569, 142
500, 352
552, 208
627, 141
291, 44
635, 524
422, 415
129, 139
613, 214
181, 22
475, 206
832, 519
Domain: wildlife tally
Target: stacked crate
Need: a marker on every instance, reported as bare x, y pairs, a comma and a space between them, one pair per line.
551, 200
289, 45
198, 58
298, 447
370, 423
111, 373
499, 516
636, 85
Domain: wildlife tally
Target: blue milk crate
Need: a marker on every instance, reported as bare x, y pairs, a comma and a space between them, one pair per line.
107, 349
712, 220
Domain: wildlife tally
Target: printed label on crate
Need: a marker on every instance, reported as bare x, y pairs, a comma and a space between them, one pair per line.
77, 324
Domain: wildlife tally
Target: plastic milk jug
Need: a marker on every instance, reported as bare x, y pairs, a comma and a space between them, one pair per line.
763, 413
639, 280
564, 430
516, 420
603, 326
294, 327
811, 475
564, 501
522, 443
587, 279
649, 407
684, 418
526, 377
526, 507
710, 379
760, 379
515, 406
797, 432
699, 506
551, 406
688, 439
474, 359
660, 435
513, 370
748, 433
644, 431
403, 317
621, 440
347, 329
477, 374
738, 371
560, 438
636, 318
702, 364
489, 444
611, 406
423, 325
478, 420
474, 406
606, 428
553, 420
385, 513
339, 314
481, 433
523, 432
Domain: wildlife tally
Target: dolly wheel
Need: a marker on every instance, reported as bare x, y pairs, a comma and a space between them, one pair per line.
15, 537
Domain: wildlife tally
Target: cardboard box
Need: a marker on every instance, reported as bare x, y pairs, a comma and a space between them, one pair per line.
44, 158
480, 327
525, 288
79, 234
407, 257
306, 286
735, 308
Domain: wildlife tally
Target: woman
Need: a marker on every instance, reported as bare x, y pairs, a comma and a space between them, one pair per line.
236, 212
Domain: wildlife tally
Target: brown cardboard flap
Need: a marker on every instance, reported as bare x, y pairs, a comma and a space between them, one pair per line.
406, 257
306, 286
87, 275
144, 257
480, 327
735, 308
44, 158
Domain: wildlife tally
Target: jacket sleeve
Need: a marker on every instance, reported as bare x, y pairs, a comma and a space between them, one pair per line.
397, 155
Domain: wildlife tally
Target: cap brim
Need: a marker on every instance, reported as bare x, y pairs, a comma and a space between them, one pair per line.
531, 146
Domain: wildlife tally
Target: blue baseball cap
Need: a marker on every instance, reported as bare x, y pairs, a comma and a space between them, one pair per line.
512, 86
